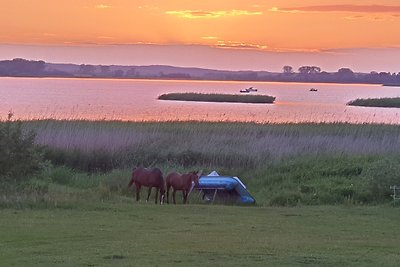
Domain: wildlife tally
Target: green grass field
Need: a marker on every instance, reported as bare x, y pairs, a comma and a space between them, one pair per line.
127, 234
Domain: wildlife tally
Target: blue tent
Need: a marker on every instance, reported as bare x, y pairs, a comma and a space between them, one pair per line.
223, 188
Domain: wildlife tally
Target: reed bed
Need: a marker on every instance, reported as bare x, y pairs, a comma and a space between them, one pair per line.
242, 145
255, 99
377, 102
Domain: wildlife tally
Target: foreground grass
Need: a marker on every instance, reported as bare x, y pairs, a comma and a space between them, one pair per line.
377, 102
126, 234
218, 98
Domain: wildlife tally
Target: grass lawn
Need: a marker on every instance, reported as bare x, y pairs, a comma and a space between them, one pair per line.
127, 234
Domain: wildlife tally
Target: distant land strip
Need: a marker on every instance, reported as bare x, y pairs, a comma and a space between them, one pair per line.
306, 74
254, 99
377, 102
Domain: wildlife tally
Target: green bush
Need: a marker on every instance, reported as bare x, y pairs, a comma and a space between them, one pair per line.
380, 175
19, 156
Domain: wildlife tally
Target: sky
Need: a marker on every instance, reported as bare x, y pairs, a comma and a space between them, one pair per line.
224, 34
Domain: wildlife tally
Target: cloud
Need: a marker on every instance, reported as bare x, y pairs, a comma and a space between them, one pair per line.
209, 37
240, 45
373, 17
102, 6
203, 14
341, 8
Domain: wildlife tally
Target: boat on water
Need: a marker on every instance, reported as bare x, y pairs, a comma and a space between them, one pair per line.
313, 90
249, 90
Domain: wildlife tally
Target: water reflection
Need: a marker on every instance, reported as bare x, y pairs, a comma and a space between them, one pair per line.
136, 100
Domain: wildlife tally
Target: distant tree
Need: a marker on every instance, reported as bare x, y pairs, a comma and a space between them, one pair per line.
86, 69
104, 69
345, 71
304, 69
309, 70
22, 67
314, 70
118, 73
287, 69
131, 72
345, 74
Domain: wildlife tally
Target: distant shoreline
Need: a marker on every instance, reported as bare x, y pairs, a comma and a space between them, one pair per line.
306, 74
196, 79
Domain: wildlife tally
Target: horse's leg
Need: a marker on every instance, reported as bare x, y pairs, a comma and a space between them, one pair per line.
156, 194
168, 187
148, 195
162, 197
173, 195
137, 192
184, 193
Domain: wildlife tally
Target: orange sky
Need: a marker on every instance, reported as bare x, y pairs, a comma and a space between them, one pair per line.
261, 25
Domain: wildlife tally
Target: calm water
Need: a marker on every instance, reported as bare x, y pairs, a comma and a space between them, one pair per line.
136, 100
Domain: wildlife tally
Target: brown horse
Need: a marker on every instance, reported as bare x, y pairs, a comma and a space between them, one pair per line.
149, 178
181, 182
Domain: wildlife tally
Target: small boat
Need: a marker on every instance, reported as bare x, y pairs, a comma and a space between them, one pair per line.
248, 90
251, 89
313, 90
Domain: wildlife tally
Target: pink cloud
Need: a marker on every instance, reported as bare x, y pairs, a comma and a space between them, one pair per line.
341, 8
197, 14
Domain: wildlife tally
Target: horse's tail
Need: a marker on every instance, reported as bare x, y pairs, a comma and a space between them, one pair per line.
163, 182
161, 178
132, 179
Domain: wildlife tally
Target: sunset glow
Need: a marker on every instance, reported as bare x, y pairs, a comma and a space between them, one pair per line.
274, 26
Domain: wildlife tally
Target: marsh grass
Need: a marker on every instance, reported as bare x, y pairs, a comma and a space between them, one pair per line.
284, 165
377, 102
91, 146
254, 99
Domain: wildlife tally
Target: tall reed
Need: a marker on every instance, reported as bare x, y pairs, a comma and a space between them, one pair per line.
244, 145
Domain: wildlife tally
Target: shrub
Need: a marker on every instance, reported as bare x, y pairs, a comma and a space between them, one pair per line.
19, 156
380, 175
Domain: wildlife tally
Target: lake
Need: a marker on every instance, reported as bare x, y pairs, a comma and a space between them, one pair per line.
136, 100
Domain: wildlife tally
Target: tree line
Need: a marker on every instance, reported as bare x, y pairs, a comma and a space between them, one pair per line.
31, 68
343, 75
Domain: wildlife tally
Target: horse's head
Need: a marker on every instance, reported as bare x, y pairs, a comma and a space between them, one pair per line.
195, 176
